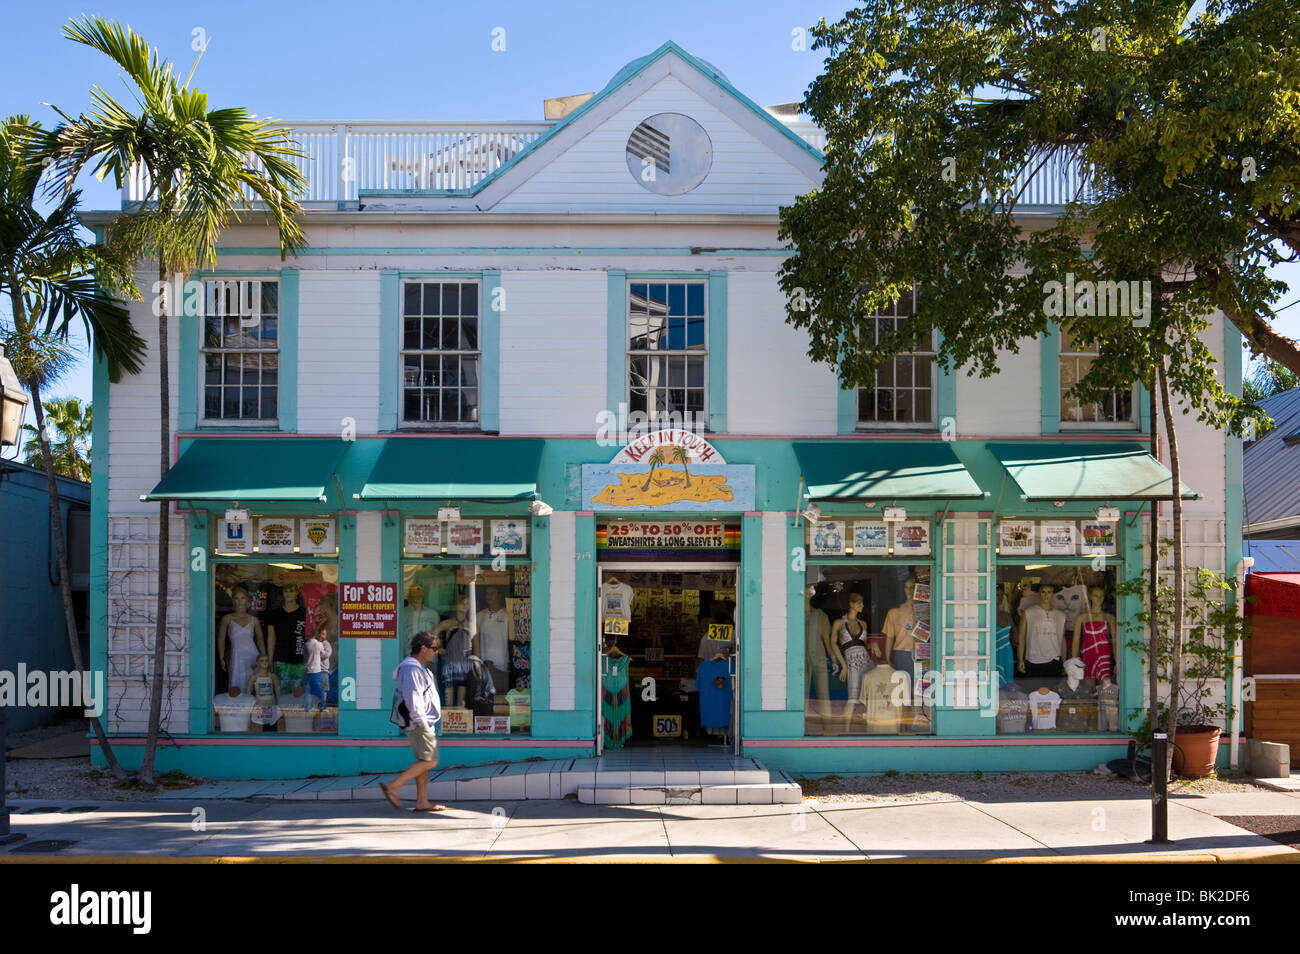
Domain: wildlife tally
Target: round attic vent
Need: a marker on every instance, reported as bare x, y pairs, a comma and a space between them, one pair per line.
669, 154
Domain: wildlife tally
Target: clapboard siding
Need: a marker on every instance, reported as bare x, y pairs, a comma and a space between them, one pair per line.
552, 369
746, 175
772, 387
338, 351
133, 452
1006, 404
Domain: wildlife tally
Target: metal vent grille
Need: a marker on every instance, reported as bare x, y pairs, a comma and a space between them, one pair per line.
647, 142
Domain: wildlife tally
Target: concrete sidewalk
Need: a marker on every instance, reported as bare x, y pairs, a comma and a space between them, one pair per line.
1110, 830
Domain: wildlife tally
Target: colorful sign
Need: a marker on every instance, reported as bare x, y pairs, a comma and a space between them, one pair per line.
668, 540
492, 723
912, 537
509, 537
368, 610
721, 631
316, 535
616, 626
276, 534
423, 536
457, 721
870, 538
1016, 538
1057, 537
672, 469
235, 536
827, 538
1098, 538
667, 727
465, 537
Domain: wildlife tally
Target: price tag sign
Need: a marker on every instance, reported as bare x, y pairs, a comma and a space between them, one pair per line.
668, 727
616, 626
654, 654
722, 631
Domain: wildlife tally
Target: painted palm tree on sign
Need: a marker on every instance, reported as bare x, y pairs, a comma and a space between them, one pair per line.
71, 424
656, 459
50, 277
201, 166
680, 455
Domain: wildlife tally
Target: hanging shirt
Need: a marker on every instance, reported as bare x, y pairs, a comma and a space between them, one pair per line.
493, 645
1006, 659
713, 680
1043, 639
615, 600
1042, 709
290, 633
1094, 649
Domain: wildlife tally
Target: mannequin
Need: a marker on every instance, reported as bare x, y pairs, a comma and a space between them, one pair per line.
454, 632
490, 642
849, 649
1040, 645
419, 618
264, 689
246, 643
817, 650
286, 628
899, 629
1075, 685
1094, 637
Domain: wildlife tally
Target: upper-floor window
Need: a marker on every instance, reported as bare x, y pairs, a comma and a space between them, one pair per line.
667, 350
1117, 406
241, 350
905, 387
440, 353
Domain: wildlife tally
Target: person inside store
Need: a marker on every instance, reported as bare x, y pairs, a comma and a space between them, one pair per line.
242, 633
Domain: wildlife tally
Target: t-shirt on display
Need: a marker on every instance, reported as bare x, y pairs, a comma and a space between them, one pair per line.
1042, 710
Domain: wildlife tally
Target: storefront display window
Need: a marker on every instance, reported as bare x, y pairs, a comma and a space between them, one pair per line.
868, 647
480, 610
276, 634
1057, 647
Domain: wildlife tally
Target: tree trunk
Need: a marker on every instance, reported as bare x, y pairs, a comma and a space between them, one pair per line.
1176, 661
164, 547
1153, 566
60, 546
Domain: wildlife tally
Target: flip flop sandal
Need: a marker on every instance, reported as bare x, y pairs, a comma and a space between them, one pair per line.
390, 795
434, 808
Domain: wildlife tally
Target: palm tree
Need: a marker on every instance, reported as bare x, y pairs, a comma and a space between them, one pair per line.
656, 460
201, 166
680, 455
72, 426
50, 277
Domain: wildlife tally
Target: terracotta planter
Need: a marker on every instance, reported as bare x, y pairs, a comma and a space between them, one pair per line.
1198, 750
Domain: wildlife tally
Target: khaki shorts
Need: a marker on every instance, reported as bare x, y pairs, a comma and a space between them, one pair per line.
424, 743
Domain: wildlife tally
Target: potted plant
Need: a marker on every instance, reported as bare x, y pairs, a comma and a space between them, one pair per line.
1191, 675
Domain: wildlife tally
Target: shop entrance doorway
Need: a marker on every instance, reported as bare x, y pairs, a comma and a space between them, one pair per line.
668, 646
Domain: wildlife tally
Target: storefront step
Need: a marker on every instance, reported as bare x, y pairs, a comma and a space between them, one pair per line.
782, 792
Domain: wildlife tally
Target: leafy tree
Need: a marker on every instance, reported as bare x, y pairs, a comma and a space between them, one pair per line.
200, 166
1177, 134
1267, 379
71, 449
51, 278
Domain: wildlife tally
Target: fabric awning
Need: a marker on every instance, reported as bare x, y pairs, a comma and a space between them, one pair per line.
450, 468
1084, 471
248, 469
884, 470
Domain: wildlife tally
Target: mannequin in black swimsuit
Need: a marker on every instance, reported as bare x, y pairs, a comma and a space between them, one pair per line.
852, 662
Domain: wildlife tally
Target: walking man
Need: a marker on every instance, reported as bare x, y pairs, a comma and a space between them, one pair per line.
420, 693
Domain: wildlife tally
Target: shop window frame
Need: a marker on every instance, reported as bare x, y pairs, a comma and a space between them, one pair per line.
1050, 396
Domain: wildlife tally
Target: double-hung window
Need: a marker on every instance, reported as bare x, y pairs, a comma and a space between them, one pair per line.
1117, 407
241, 350
440, 353
667, 350
904, 392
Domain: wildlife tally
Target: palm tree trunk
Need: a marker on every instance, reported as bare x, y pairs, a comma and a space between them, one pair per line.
1176, 662
65, 584
164, 546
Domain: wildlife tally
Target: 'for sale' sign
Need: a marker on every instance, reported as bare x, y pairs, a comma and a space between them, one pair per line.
368, 610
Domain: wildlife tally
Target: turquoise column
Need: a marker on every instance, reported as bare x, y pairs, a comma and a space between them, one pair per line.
945, 398
1131, 657
489, 392
198, 564
717, 409
616, 340
540, 675
584, 619
97, 623
1050, 388
750, 597
390, 335
188, 361
288, 350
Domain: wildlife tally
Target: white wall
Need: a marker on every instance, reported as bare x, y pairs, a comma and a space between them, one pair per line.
772, 386
338, 351
1007, 404
553, 347
746, 175
776, 631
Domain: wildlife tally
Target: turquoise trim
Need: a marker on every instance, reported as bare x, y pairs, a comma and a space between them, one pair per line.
616, 341
717, 409
97, 623
489, 342
1144, 408
796, 674
1132, 675
1049, 351
187, 375
751, 619
846, 411
1233, 480
289, 350
462, 251
540, 654
945, 398
810, 761
584, 617
393, 564
202, 637
390, 337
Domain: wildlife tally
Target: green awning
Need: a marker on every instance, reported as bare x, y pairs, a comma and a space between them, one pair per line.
1077, 471
455, 468
884, 470
248, 469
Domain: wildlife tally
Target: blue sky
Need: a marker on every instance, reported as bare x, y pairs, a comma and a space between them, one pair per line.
331, 59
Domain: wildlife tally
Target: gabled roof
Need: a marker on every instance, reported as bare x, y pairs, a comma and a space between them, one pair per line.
568, 130
1271, 472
